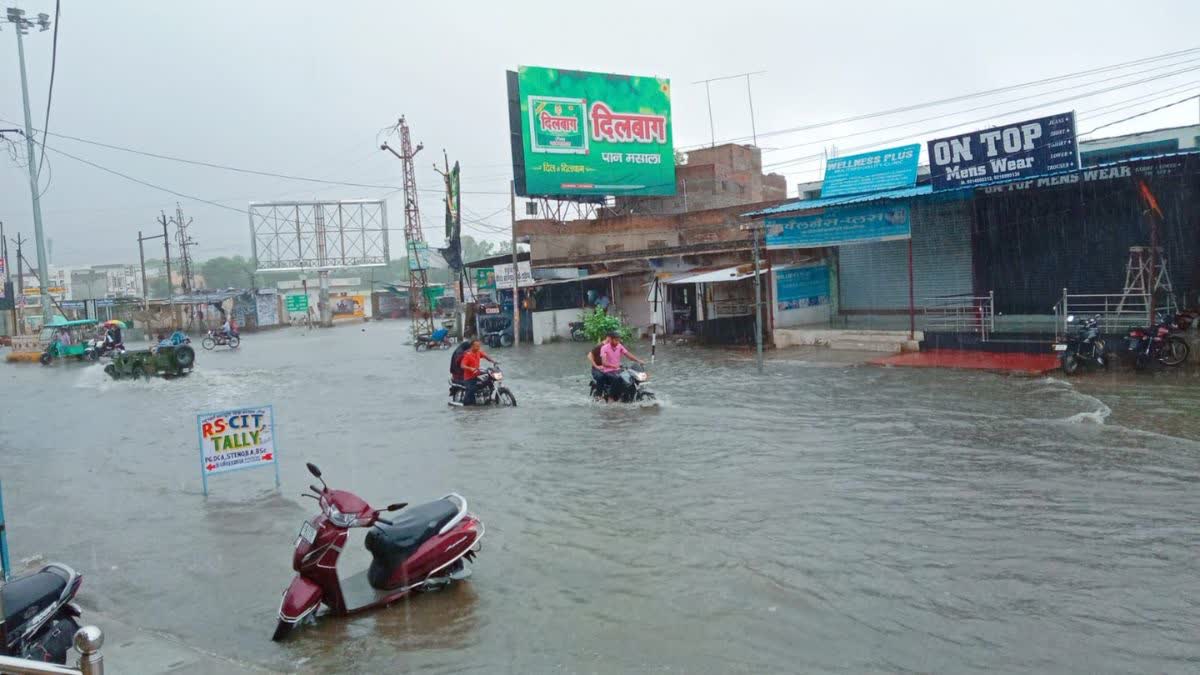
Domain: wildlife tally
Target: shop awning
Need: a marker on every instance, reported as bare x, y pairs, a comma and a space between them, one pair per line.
590, 277
717, 276
809, 204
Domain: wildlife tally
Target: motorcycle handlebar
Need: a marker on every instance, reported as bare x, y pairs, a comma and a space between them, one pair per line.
380, 519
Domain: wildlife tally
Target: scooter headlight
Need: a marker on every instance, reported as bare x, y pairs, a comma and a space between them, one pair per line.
641, 375
340, 519
497, 375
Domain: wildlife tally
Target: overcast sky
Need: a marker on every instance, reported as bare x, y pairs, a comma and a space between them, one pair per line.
304, 88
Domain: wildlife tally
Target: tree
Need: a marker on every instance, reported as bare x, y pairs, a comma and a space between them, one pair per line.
226, 272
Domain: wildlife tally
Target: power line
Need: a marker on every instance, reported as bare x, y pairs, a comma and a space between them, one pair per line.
1161, 107
1037, 106
963, 97
50, 91
227, 167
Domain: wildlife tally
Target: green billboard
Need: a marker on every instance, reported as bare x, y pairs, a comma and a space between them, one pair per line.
591, 134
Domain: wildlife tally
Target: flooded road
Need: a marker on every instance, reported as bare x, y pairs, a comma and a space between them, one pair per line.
820, 518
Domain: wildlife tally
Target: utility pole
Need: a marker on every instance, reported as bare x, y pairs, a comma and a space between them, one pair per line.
142, 260
758, 332
22, 25
19, 293
418, 278
512, 207
7, 275
162, 220
454, 234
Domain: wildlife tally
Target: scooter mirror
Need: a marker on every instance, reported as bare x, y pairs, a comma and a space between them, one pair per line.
312, 468
397, 507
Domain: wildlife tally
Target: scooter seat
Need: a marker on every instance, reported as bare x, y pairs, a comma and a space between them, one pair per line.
391, 544
26, 596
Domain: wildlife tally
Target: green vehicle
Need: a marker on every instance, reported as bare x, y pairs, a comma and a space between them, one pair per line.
66, 339
167, 361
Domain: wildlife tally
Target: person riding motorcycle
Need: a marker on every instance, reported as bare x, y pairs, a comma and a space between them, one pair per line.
610, 360
113, 337
469, 363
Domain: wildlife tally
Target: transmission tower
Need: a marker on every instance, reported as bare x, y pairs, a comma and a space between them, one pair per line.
414, 238
185, 242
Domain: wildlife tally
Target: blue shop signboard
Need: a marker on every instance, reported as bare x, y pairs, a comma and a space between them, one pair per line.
801, 287
1014, 151
871, 171
835, 227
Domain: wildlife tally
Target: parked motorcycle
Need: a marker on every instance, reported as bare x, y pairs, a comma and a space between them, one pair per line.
1083, 346
39, 621
1158, 344
488, 390
423, 548
216, 338
627, 386
497, 331
577, 332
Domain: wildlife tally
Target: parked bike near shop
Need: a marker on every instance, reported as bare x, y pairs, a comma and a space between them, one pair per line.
1158, 343
1082, 346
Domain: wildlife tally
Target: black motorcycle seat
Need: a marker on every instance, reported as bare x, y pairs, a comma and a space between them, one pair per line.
34, 592
391, 544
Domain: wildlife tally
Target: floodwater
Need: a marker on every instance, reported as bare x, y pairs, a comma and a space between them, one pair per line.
821, 518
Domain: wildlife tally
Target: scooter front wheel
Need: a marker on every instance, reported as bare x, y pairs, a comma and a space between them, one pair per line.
208, 343
282, 630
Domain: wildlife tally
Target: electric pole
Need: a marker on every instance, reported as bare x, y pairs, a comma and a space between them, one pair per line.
21, 26
512, 209
454, 235
418, 279
19, 293
162, 220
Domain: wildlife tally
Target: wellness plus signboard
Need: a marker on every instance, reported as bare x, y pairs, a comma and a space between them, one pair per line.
592, 134
1022, 150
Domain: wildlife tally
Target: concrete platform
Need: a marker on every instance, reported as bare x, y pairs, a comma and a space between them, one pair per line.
1014, 363
887, 341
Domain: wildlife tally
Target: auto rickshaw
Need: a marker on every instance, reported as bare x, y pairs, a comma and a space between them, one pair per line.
66, 339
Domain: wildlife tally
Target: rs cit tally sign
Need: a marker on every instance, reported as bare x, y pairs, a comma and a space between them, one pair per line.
1025, 149
231, 440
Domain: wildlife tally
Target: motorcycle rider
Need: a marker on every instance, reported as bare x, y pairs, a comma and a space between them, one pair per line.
593, 358
113, 336
610, 359
469, 363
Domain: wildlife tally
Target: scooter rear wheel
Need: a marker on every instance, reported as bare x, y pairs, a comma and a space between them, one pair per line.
282, 630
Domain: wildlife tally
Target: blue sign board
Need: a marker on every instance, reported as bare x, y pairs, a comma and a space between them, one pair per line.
835, 227
871, 171
801, 287
1011, 152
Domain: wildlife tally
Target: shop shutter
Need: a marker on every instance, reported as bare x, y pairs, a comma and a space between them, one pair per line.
875, 276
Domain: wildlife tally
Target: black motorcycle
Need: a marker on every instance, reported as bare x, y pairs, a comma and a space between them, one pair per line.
627, 385
488, 390
1157, 344
1083, 346
578, 334
39, 621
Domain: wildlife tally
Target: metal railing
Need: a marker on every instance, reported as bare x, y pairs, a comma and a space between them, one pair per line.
1117, 312
88, 641
961, 314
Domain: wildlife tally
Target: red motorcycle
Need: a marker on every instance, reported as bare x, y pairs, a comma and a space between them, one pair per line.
422, 549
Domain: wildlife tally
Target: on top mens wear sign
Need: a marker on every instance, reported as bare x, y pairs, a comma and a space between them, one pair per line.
871, 171
1022, 150
595, 134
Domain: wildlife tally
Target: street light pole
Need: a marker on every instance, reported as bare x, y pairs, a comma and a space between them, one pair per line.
758, 332
21, 25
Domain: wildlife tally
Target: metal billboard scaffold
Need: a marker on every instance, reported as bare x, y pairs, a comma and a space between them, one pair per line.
319, 236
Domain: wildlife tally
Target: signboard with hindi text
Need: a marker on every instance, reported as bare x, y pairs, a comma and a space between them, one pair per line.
585, 133
231, 440
871, 171
1014, 151
503, 277
840, 226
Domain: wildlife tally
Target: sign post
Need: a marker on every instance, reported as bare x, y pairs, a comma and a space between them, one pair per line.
231, 440
4, 541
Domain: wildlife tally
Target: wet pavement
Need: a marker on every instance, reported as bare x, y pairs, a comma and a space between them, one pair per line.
822, 517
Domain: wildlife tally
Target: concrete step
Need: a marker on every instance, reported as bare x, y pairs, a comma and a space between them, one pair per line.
855, 340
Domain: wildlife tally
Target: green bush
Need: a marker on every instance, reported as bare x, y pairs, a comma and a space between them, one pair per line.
598, 323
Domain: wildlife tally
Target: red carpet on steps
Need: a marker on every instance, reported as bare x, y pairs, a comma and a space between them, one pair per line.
1015, 363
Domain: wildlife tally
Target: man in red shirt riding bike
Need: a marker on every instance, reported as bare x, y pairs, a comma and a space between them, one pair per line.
470, 369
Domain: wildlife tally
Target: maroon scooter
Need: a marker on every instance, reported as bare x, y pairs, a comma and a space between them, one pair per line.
425, 547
